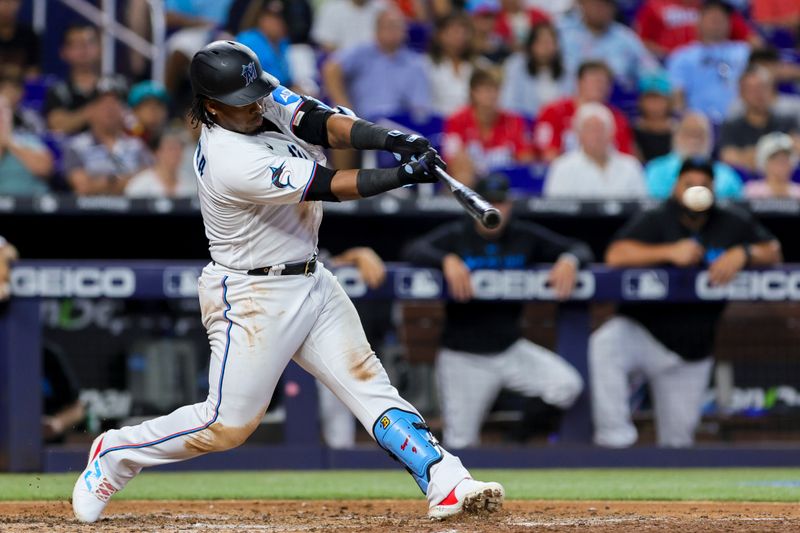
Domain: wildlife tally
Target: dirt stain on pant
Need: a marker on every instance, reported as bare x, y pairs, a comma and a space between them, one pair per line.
218, 437
252, 313
364, 364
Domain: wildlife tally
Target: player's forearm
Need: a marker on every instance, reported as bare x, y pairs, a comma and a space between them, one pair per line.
636, 254
345, 131
422, 252
765, 253
354, 184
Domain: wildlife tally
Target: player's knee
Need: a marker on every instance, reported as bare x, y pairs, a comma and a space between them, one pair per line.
565, 392
573, 386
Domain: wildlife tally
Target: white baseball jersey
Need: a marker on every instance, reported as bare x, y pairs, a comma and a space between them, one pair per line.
252, 187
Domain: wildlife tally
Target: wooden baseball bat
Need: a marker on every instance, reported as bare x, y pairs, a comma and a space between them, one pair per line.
475, 204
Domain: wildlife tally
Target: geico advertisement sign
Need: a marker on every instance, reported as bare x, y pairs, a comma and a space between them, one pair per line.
769, 285
525, 285
81, 282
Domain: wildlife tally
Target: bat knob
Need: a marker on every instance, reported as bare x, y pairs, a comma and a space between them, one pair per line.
491, 218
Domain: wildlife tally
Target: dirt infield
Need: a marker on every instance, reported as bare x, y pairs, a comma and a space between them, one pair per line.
402, 517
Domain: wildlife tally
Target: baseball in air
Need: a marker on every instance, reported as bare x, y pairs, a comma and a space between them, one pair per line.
698, 198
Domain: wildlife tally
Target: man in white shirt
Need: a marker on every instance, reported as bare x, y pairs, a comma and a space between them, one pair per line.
345, 23
596, 170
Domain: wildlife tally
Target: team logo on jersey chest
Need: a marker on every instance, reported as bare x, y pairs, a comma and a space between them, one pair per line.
282, 177
249, 73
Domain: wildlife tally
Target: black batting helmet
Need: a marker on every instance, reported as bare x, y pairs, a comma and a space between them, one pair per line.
230, 73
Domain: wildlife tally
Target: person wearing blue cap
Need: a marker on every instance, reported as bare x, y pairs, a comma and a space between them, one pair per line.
148, 100
653, 129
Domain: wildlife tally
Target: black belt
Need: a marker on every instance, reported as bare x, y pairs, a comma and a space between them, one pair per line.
305, 268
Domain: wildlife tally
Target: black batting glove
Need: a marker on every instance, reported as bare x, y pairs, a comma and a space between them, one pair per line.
421, 169
405, 146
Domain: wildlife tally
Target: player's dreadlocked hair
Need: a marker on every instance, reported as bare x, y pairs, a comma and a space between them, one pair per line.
198, 112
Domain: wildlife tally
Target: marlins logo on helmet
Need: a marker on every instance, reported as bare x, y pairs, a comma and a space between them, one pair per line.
249, 72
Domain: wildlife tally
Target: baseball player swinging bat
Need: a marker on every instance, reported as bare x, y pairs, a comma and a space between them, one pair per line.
477, 207
265, 298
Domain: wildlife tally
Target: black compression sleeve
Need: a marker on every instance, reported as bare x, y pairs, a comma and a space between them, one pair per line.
372, 181
368, 136
320, 187
310, 123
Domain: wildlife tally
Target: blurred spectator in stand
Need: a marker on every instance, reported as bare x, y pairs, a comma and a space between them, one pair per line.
299, 16
692, 139
270, 41
738, 136
19, 45
294, 34
26, 164
103, 159
665, 25
8, 254
554, 8
195, 23
164, 179
486, 41
148, 100
783, 14
786, 104
412, 9
483, 350
670, 343
340, 24
535, 77
596, 170
383, 78
593, 34
191, 134
705, 75
516, 20
450, 64
654, 127
481, 136
66, 104
553, 134
776, 160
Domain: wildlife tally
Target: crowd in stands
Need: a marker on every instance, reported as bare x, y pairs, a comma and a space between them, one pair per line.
571, 98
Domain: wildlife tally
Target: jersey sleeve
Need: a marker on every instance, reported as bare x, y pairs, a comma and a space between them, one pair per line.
751, 231
643, 227
283, 106
263, 178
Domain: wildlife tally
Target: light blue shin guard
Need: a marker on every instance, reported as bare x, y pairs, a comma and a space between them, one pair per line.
409, 441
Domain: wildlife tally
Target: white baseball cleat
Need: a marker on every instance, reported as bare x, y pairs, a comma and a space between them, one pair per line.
470, 496
93, 489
